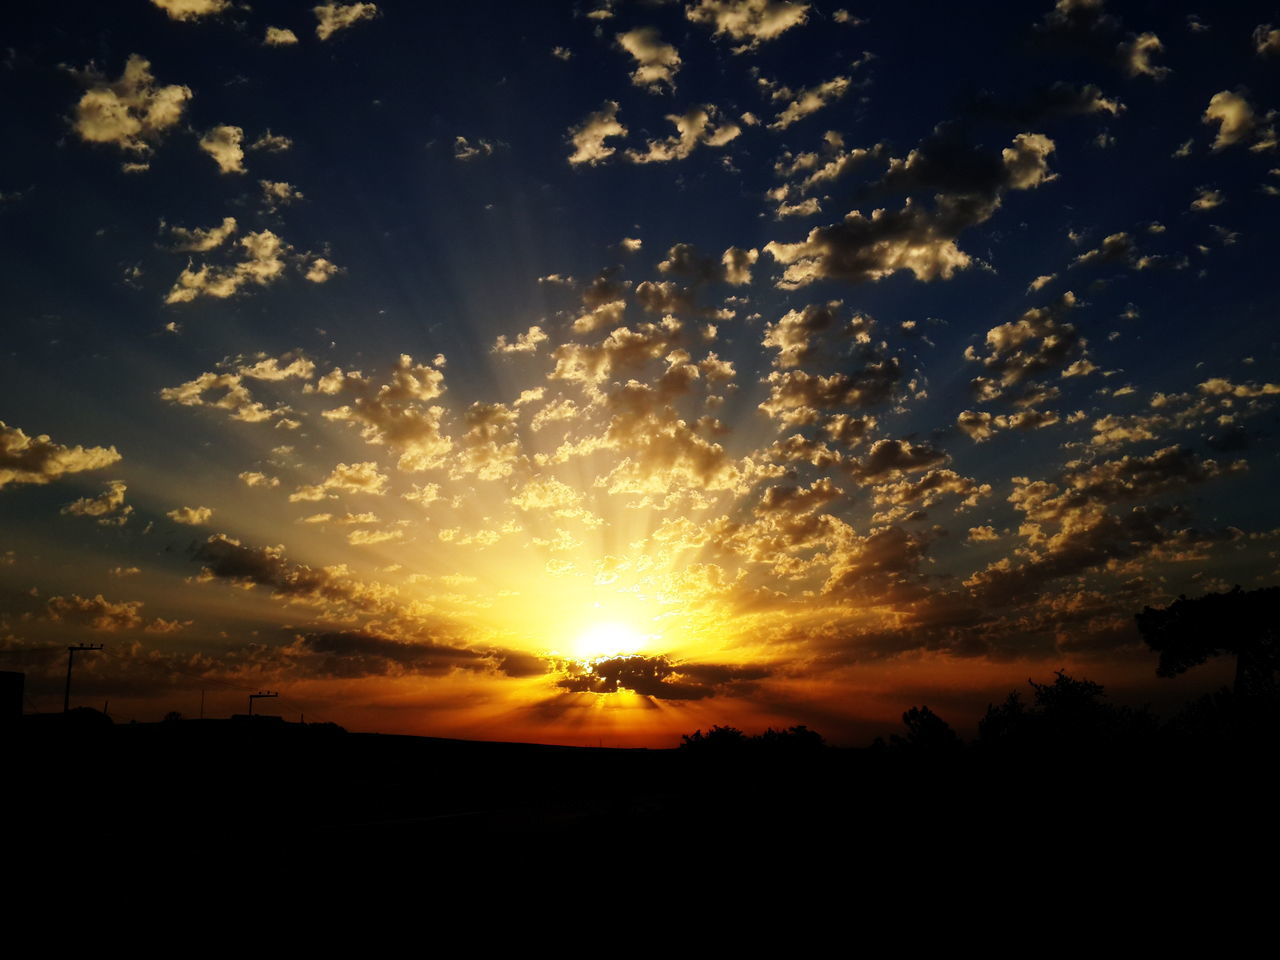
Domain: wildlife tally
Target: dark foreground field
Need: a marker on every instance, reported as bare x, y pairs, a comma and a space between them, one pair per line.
200, 786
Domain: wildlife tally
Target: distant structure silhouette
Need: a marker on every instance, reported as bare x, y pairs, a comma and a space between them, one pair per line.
1245, 623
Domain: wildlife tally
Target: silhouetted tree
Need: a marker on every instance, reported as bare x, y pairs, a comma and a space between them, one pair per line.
926, 731
717, 738
1244, 623
173, 716
1067, 713
798, 739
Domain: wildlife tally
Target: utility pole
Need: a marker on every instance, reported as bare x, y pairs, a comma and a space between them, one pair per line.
202, 703
71, 657
259, 696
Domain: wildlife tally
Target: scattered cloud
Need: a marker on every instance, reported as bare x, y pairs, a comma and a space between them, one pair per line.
223, 144
588, 138
132, 112
657, 63
38, 460
332, 17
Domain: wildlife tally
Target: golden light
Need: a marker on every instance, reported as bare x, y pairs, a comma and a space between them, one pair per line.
607, 639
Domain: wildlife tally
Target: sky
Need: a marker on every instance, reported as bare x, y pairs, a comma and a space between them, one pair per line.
597, 372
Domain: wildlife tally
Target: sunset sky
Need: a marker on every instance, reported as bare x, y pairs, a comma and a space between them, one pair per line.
595, 372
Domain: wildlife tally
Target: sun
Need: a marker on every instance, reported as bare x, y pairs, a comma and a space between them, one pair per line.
606, 639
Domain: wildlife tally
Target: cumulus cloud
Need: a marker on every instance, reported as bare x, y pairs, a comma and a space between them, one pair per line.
344, 478
657, 63
588, 138
108, 508
228, 559
280, 37
332, 17
395, 414
969, 186
695, 126
191, 9
811, 100
1266, 40
224, 144
132, 112
255, 478
191, 516
1208, 198
750, 21
684, 260
263, 264
38, 460
980, 425
277, 193
1135, 55
228, 389
321, 270
198, 240
526, 342
1238, 122
1037, 342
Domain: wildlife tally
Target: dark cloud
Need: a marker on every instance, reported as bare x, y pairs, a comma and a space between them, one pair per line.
657, 677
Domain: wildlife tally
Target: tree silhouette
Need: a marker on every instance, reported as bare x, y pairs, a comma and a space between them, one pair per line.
1245, 623
1067, 713
926, 731
717, 738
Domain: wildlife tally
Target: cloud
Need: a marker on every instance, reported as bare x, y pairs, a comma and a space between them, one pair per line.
277, 193
321, 270
1238, 122
254, 478
223, 144
1266, 40
1135, 55
810, 101
980, 426
394, 414
695, 126
795, 335
225, 558
263, 264
38, 460
658, 677
97, 613
751, 21
232, 392
191, 9
657, 63
969, 187
684, 260
272, 143
279, 37
1207, 199
108, 508
1057, 101
332, 17
526, 342
191, 516
465, 150
1037, 342
347, 478
588, 138
131, 112
888, 458
200, 240
870, 377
